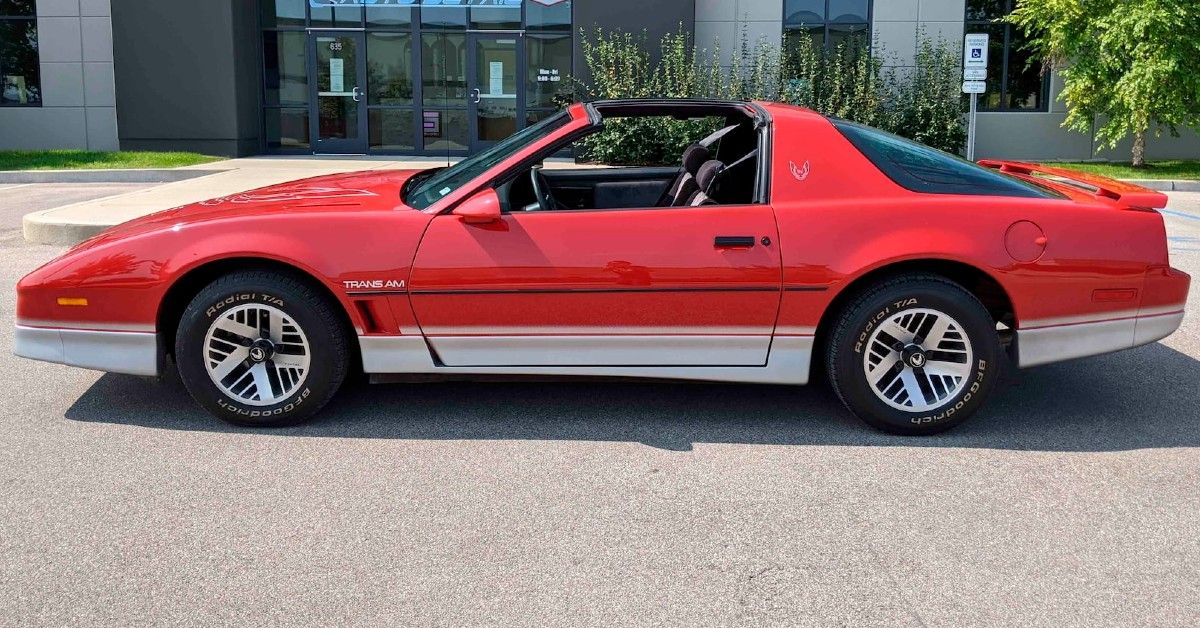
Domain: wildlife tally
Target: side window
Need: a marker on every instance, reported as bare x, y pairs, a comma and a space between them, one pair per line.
923, 169
627, 164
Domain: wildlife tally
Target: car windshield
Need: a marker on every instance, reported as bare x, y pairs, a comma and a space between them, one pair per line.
445, 181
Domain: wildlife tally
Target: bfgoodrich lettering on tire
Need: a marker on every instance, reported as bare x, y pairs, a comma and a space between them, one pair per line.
914, 355
261, 349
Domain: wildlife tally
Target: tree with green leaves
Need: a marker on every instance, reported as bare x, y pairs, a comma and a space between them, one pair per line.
1126, 64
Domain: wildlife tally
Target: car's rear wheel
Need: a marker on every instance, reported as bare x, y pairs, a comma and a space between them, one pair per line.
261, 349
913, 355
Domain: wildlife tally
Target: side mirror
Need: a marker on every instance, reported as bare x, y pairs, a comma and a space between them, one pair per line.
480, 209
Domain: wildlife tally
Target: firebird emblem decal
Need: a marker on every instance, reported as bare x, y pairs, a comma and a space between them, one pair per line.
800, 172
295, 194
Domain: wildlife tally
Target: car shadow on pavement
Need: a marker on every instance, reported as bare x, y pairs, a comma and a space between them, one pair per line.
1144, 398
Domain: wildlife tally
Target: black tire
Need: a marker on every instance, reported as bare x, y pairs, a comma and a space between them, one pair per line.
918, 298
308, 310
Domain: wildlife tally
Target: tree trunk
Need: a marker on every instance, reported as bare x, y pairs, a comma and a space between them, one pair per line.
1139, 149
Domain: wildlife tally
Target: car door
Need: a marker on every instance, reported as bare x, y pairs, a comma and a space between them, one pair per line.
691, 286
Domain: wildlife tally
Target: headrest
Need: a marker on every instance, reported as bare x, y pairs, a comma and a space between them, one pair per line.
694, 157
708, 173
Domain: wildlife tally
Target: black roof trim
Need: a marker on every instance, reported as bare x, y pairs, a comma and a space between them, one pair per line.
692, 107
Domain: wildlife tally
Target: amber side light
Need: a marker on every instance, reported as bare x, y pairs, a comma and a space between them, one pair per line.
72, 301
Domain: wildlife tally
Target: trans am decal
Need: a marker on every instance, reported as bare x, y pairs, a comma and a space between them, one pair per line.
374, 284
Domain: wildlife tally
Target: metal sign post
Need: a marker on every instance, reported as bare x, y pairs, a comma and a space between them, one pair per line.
975, 58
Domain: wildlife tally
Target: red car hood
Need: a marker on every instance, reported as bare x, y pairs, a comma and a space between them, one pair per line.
369, 190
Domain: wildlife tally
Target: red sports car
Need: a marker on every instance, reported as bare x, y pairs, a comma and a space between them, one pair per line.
787, 242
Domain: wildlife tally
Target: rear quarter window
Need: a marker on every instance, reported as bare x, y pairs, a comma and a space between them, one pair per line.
923, 169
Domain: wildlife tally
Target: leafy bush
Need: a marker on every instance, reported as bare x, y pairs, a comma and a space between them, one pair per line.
927, 105
848, 82
621, 68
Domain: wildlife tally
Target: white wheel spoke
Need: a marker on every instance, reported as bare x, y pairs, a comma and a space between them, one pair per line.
276, 324
238, 329
937, 332
895, 330
229, 362
916, 398
950, 369
262, 382
881, 369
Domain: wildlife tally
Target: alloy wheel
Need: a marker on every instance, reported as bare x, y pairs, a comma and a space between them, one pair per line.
918, 359
256, 354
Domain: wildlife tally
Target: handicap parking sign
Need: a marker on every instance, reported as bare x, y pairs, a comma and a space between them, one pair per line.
975, 50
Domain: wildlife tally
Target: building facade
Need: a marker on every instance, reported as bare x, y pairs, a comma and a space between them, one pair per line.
434, 77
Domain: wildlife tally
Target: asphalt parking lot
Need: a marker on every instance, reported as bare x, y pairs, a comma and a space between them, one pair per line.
1073, 498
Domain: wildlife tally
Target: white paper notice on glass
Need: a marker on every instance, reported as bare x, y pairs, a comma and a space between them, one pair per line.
496, 76
337, 76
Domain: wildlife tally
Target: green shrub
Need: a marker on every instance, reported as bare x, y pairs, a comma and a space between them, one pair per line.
926, 105
848, 82
621, 68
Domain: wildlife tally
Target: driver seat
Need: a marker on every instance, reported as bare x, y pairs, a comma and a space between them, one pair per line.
685, 185
705, 179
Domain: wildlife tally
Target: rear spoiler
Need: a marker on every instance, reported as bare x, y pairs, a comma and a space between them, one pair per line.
1120, 192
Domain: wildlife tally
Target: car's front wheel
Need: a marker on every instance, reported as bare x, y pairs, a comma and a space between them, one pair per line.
261, 349
914, 355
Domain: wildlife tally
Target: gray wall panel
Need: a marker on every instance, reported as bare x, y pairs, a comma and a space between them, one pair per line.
656, 17
187, 74
75, 56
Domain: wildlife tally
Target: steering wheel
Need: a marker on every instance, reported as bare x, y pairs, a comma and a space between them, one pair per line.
541, 190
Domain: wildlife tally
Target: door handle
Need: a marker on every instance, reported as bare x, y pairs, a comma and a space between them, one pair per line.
355, 93
475, 95
733, 242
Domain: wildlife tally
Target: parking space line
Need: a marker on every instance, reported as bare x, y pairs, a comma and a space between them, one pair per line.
1172, 212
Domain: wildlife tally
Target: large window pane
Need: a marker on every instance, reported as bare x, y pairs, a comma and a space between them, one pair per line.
336, 16
503, 15
283, 13
389, 68
390, 129
852, 35
549, 63
793, 38
848, 11
445, 129
444, 69
20, 83
992, 98
285, 71
1015, 78
287, 128
1025, 85
397, 14
803, 12
17, 8
985, 10
444, 17
828, 23
556, 17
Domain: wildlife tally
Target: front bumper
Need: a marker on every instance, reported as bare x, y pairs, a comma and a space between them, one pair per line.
132, 352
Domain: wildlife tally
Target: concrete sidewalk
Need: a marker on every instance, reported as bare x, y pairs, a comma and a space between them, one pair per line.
71, 223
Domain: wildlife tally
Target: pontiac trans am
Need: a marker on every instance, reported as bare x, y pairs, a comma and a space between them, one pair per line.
784, 243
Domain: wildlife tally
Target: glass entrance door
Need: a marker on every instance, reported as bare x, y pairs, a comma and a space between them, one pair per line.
339, 101
496, 64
